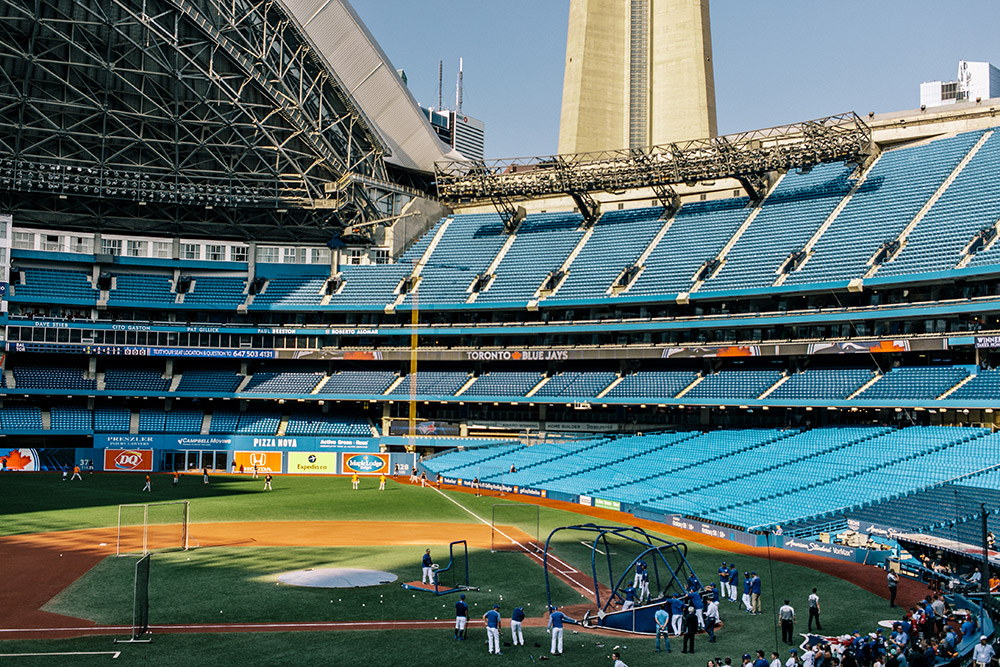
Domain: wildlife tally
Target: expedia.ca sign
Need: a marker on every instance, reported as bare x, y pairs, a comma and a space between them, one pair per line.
366, 464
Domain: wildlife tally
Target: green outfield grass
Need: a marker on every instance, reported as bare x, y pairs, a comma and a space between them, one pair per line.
241, 581
242, 584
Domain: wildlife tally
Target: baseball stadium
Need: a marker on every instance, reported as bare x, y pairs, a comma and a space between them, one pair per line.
292, 374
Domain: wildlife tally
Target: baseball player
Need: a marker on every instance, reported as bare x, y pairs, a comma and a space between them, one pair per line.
76, 474
516, 618
267, 482
556, 619
493, 629
428, 576
254, 473
461, 617
724, 580
354, 481
637, 579
734, 581
149, 485
629, 598
177, 478
746, 591
381, 482
644, 586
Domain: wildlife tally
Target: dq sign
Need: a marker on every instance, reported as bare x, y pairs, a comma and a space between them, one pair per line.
263, 461
128, 459
366, 464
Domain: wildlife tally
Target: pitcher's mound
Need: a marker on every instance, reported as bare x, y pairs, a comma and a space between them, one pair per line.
336, 577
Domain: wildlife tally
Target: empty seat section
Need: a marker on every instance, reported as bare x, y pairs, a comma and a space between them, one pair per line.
984, 386
358, 383
259, 422
55, 286
822, 384
282, 383
618, 239
432, 383
967, 206
542, 244
183, 421
895, 189
331, 423
696, 235
216, 292
789, 216
370, 285
574, 384
54, 377
151, 420
112, 419
652, 384
467, 248
224, 421
925, 382
135, 379
734, 385
20, 417
71, 418
503, 383
142, 290
209, 381
292, 291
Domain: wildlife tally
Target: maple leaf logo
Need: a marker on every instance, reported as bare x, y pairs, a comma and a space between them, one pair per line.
17, 461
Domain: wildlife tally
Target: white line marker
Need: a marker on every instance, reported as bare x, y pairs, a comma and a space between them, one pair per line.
113, 654
569, 569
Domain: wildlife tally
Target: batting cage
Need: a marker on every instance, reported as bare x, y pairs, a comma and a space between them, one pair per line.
451, 578
145, 527
140, 603
619, 558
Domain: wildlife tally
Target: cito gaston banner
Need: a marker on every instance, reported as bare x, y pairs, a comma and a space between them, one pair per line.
312, 463
365, 464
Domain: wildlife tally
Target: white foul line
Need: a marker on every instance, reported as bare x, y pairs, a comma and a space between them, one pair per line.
113, 654
480, 519
569, 569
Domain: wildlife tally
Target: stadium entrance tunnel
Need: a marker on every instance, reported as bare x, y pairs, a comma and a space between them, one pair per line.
336, 577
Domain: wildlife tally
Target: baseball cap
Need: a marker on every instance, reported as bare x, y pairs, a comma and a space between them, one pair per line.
983, 638
462, 596
496, 606
794, 651
746, 656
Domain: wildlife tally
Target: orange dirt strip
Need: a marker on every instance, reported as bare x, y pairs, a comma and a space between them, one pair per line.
870, 578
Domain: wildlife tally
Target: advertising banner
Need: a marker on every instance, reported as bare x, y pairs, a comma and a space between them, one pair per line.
22, 460
838, 551
317, 463
234, 442
365, 464
264, 461
607, 504
126, 460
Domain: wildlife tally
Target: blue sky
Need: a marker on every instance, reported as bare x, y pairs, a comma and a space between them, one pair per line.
776, 61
